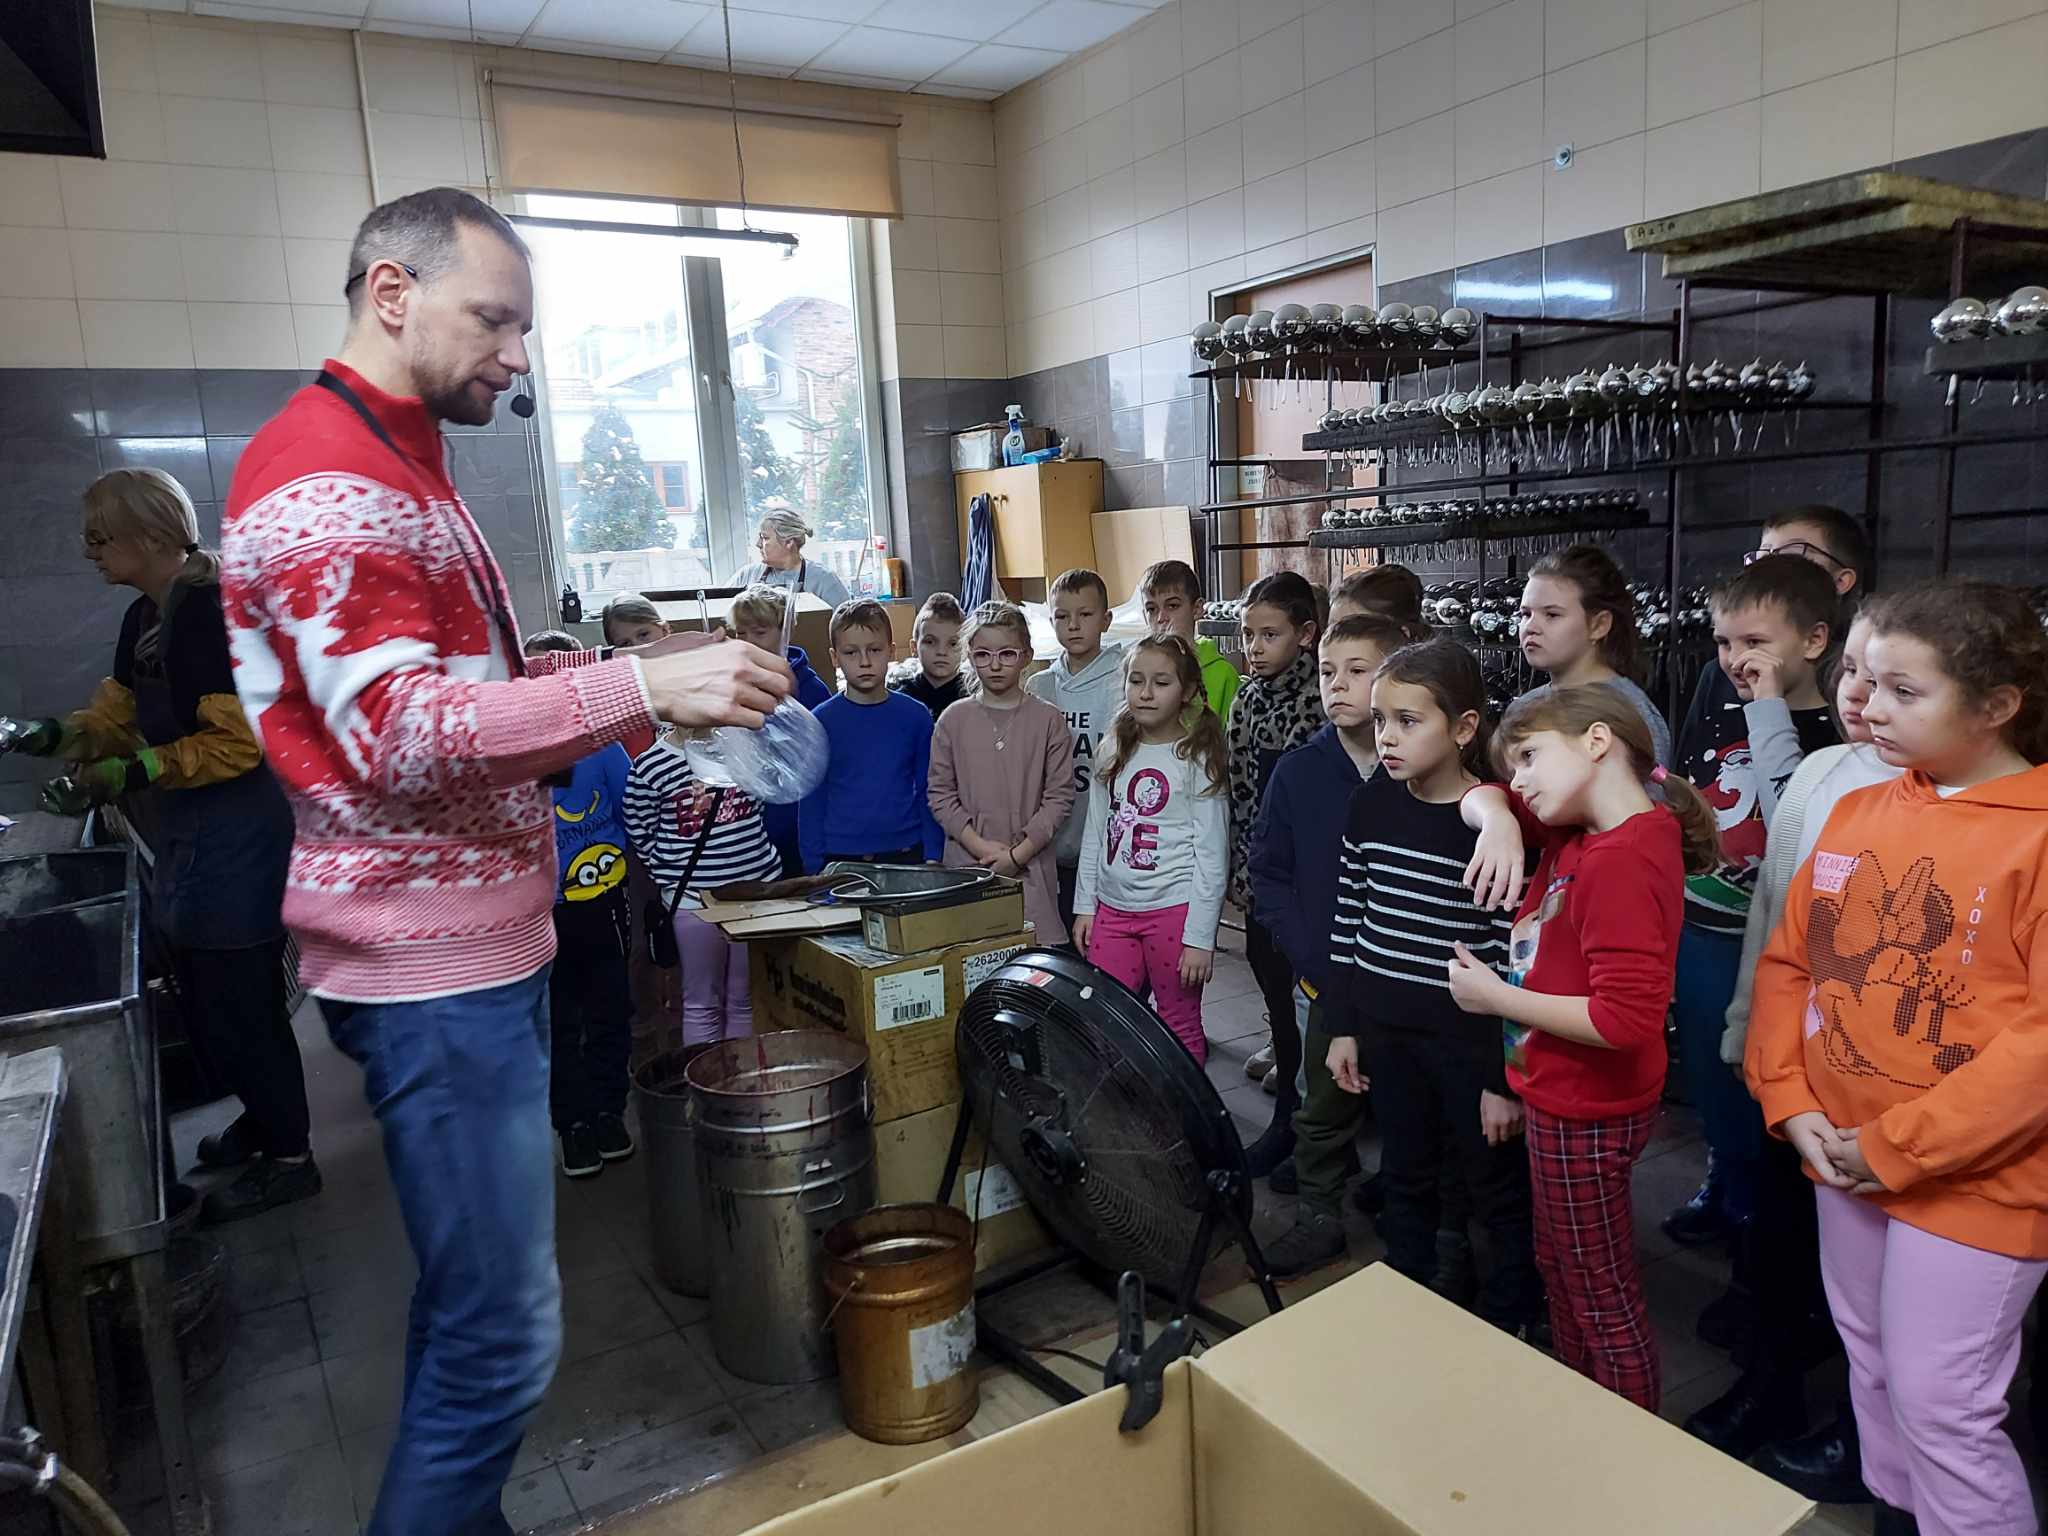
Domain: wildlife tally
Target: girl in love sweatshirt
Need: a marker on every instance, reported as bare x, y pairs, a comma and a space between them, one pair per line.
1906, 993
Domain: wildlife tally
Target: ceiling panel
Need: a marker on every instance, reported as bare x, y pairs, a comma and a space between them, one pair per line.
890, 55
635, 24
950, 18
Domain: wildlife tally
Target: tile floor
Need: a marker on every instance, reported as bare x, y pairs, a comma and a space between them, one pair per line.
293, 1431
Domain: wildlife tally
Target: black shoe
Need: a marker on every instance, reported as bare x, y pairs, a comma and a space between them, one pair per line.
232, 1147
1315, 1239
1537, 1333
1825, 1466
1728, 1322
1457, 1273
580, 1157
1701, 1220
1276, 1144
614, 1142
1371, 1196
264, 1185
1759, 1410
1893, 1521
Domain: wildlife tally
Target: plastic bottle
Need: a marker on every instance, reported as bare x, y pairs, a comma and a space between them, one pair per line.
1013, 440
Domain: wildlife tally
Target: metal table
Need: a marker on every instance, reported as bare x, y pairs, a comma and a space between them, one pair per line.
31, 1095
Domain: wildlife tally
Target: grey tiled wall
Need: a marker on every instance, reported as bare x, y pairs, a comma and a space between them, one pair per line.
61, 427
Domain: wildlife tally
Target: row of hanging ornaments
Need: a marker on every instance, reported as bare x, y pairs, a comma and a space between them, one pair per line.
1301, 337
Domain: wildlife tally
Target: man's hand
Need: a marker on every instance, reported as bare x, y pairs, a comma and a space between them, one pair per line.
1084, 929
710, 684
672, 645
1196, 965
1500, 1117
1763, 672
1343, 1064
1474, 986
1817, 1140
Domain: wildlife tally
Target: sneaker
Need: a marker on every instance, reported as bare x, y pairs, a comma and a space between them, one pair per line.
614, 1142
229, 1148
580, 1157
264, 1185
1315, 1239
1259, 1065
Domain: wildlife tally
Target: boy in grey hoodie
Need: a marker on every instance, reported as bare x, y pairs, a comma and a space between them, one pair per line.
1086, 684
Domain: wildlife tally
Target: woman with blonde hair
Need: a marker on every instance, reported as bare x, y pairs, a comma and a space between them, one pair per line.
779, 539
168, 719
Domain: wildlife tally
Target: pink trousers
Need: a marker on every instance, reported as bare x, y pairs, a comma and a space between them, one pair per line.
717, 1004
1932, 1328
1143, 948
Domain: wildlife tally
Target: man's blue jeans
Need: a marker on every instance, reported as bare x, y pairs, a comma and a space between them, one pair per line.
460, 1086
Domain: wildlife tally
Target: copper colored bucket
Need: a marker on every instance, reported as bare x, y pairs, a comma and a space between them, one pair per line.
901, 1280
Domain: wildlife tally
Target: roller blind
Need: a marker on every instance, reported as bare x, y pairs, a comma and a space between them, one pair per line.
632, 145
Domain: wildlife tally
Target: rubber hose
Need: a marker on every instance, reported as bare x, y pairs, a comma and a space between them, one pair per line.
82, 1507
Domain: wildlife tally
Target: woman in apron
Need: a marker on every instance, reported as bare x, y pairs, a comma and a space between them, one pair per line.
168, 719
779, 541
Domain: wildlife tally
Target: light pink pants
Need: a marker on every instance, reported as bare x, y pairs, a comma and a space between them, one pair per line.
716, 1002
1932, 1328
1138, 948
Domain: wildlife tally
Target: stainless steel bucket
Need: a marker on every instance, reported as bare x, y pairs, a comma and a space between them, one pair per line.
675, 1187
785, 1153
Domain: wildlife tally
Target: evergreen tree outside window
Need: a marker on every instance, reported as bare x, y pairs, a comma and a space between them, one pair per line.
620, 507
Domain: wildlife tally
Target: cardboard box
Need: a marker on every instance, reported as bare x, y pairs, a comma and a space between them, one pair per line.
978, 448
1126, 542
908, 926
1372, 1409
901, 1007
910, 1157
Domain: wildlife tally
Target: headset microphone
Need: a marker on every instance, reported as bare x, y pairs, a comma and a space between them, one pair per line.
522, 405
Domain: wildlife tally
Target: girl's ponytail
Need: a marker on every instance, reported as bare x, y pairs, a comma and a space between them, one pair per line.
1696, 824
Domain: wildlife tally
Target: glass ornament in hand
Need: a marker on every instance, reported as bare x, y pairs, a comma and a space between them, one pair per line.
778, 764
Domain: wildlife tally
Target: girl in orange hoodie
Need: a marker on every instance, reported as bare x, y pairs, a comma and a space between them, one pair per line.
1899, 1039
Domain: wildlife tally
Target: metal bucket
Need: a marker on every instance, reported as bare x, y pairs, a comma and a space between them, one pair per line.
675, 1192
901, 1279
785, 1153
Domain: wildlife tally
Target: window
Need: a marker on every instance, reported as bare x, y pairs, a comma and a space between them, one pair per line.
665, 460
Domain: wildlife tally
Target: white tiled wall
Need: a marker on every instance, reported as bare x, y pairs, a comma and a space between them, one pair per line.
1240, 137
216, 233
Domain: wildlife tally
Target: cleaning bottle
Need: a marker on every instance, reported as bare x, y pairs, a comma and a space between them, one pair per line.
1013, 440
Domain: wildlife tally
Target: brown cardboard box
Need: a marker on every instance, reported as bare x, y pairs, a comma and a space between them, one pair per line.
910, 1157
1126, 542
1374, 1408
908, 926
901, 1007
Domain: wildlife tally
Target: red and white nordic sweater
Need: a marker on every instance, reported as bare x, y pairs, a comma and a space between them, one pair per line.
368, 661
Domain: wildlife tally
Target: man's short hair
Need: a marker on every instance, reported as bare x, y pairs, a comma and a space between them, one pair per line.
1164, 576
1792, 584
1073, 583
859, 613
1841, 535
421, 231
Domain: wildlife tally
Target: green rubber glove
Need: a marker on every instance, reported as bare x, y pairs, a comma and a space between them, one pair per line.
96, 783
38, 738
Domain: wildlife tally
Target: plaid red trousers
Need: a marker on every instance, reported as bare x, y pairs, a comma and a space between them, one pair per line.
1586, 1247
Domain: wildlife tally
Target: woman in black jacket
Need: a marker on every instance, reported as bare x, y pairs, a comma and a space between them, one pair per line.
168, 720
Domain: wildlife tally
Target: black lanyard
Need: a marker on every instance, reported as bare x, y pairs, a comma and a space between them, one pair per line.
484, 574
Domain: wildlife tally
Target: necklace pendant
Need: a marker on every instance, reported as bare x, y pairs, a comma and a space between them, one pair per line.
999, 746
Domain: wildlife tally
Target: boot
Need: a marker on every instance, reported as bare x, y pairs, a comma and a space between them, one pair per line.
1824, 1466
1893, 1521
1728, 1322
1762, 1407
1315, 1239
1457, 1274
1701, 1219
1277, 1144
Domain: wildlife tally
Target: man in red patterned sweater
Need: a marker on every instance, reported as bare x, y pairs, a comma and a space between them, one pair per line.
376, 653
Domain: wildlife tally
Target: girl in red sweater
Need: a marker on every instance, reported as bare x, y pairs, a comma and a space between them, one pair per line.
1594, 950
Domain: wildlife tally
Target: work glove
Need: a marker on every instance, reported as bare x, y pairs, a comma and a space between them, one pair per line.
95, 783
38, 738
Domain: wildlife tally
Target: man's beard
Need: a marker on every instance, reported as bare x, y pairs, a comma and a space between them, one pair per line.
448, 397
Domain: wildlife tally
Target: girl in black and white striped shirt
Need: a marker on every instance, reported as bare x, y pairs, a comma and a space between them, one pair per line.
1427, 866
665, 809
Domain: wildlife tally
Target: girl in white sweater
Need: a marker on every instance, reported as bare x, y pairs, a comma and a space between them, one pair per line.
1156, 848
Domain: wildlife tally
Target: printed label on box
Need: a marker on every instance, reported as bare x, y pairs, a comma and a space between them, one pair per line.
910, 997
976, 969
994, 1188
940, 1351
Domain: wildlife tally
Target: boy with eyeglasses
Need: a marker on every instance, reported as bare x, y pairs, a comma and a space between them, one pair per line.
872, 804
1830, 538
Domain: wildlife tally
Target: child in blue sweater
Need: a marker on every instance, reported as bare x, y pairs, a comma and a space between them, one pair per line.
873, 802
757, 619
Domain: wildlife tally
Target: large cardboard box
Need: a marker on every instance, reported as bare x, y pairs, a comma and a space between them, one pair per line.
912, 924
901, 1007
1128, 541
1374, 1408
910, 1156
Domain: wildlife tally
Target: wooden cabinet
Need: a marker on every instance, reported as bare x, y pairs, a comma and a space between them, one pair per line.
1042, 514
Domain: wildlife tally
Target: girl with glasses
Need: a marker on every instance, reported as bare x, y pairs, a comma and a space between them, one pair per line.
1002, 771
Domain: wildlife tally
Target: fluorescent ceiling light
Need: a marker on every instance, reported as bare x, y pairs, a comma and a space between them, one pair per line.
717, 244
